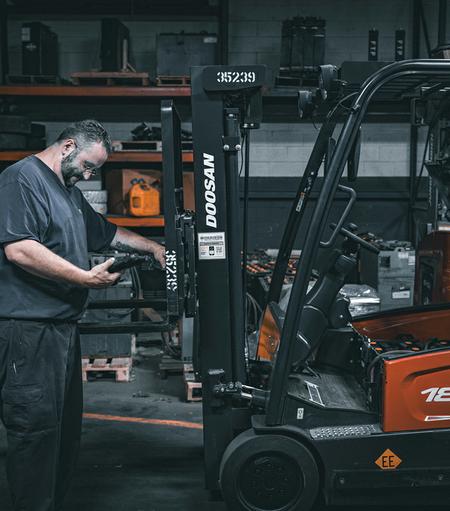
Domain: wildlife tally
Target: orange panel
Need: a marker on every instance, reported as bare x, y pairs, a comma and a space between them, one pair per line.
422, 325
269, 337
417, 392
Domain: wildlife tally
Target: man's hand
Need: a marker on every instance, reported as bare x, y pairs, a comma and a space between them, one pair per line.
99, 277
160, 255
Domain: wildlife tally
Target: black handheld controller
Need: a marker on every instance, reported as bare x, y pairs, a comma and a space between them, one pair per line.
127, 261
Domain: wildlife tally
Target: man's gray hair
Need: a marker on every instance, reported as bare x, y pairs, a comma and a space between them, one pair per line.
86, 133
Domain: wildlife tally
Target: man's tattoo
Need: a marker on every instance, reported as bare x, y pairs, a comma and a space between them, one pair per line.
123, 247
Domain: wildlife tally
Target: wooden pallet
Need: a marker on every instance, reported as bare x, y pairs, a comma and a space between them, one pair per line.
34, 79
173, 81
146, 145
120, 368
169, 365
193, 388
110, 78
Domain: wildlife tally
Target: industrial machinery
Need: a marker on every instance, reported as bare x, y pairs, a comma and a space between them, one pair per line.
433, 225
355, 412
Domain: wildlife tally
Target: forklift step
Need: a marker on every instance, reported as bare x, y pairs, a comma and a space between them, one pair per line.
328, 432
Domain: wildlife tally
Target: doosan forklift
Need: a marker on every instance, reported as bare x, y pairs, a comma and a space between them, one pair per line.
355, 412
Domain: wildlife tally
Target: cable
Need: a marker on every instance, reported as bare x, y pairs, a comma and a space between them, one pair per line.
380, 357
340, 104
246, 160
244, 142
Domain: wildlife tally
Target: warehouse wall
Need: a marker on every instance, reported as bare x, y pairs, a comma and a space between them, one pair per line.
278, 150
255, 38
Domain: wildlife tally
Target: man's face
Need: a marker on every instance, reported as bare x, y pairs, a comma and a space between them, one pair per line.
82, 163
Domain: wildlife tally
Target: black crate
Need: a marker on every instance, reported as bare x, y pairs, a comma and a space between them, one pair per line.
302, 44
39, 50
176, 53
115, 44
106, 345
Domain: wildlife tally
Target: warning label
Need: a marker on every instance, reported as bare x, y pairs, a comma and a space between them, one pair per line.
211, 245
388, 460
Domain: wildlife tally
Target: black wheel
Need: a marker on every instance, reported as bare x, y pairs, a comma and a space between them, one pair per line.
268, 473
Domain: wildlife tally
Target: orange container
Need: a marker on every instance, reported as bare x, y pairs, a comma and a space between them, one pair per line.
143, 199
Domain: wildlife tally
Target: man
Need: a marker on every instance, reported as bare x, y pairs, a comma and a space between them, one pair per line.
46, 231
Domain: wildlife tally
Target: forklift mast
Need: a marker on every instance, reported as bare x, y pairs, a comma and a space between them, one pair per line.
225, 101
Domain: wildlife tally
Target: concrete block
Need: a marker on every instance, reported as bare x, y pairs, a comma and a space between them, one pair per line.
242, 58
243, 29
384, 169
269, 28
268, 152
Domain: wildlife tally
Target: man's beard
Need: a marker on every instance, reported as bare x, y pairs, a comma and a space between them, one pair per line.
71, 173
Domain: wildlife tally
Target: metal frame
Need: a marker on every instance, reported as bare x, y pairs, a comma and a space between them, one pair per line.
281, 370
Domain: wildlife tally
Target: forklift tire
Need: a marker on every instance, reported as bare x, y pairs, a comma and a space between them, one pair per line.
268, 473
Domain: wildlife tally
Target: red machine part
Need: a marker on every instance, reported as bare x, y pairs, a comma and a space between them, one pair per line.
416, 392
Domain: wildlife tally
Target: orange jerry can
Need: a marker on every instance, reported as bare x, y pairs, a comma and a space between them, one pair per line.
143, 199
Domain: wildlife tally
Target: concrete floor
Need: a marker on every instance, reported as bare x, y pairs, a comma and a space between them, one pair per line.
127, 466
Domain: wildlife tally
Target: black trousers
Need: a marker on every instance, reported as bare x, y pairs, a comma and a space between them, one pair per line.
40, 407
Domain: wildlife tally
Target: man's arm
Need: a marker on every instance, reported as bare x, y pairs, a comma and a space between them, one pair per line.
128, 241
33, 257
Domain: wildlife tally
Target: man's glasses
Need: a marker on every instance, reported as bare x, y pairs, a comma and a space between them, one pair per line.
92, 171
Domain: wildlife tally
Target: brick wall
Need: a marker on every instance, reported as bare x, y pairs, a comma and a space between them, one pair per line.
255, 35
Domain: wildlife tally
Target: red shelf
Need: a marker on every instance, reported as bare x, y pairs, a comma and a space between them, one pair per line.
116, 157
127, 221
93, 91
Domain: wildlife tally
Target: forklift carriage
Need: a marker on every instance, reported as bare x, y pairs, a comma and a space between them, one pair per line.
357, 412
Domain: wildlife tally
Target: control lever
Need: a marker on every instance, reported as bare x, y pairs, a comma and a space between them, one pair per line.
348, 234
352, 198
130, 260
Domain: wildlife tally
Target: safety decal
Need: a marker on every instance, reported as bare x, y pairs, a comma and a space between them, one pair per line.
211, 245
388, 460
314, 393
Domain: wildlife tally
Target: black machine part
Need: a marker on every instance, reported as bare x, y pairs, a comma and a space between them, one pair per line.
130, 260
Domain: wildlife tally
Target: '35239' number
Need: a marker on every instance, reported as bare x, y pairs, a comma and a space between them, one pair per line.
236, 77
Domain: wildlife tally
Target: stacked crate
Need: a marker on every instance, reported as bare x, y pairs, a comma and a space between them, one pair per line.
110, 352
391, 273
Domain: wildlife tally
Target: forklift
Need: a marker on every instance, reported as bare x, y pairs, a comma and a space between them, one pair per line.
355, 412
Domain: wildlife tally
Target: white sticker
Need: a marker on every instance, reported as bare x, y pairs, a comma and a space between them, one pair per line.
211, 245
403, 255
314, 393
210, 40
300, 413
171, 270
401, 294
411, 260
26, 34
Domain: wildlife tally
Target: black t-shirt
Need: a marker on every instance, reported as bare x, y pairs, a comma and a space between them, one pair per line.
35, 205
